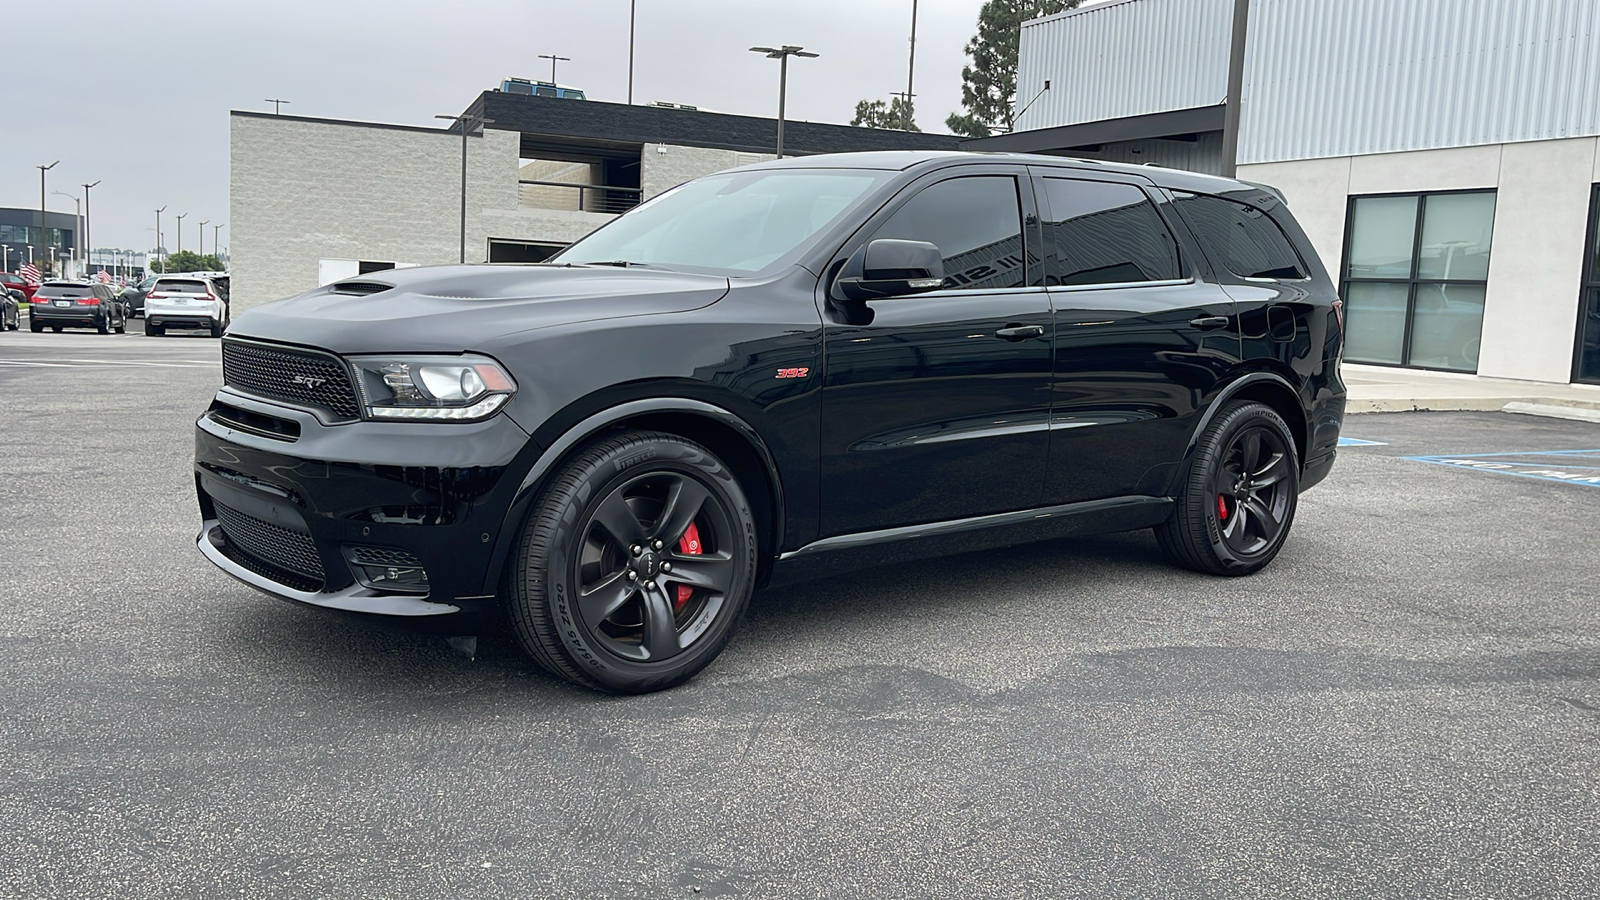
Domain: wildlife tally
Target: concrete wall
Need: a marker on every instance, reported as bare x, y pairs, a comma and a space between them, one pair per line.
666, 166
1536, 262
302, 190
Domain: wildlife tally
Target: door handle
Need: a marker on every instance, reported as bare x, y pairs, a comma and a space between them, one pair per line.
1206, 323
1020, 332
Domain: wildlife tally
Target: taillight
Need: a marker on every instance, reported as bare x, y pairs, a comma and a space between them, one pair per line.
88, 301
210, 296
155, 296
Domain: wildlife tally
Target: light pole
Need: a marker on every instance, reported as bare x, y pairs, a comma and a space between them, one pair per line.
911, 67
276, 104
467, 124
633, 9
553, 60
203, 236
42, 241
782, 54
88, 246
158, 233
77, 218
216, 244
180, 231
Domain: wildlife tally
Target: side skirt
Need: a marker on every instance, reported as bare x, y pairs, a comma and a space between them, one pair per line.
867, 549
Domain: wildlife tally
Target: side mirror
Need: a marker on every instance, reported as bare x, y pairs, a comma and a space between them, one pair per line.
891, 268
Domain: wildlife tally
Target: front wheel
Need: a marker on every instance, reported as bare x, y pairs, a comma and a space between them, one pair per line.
634, 566
1239, 496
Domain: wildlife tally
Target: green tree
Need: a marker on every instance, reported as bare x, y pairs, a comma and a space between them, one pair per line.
989, 84
186, 261
895, 114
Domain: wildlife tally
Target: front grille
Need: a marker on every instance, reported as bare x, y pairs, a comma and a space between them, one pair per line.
297, 376
291, 553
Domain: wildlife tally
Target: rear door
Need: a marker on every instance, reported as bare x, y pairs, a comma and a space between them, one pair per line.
935, 406
1141, 339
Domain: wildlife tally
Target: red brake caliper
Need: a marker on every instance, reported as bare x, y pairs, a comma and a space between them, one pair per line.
1222, 508
689, 545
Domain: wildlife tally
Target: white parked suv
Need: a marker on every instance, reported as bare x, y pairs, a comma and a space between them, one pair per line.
186, 301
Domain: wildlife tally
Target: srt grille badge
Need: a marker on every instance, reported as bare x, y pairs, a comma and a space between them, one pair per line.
308, 381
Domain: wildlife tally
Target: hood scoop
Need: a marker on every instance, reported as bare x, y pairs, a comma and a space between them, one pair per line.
360, 288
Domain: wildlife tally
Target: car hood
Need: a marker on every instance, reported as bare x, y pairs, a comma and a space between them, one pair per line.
450, 309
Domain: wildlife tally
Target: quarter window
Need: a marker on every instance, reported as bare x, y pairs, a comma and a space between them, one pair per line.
1105, 233
1240, 238
976, 222
1415, 274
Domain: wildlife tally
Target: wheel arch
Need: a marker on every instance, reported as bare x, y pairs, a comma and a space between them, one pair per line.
734, 440
1269, 388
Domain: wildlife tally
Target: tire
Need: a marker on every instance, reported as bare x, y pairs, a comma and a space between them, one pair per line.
216, 330
1225, 523
104, 326
35, 327
154, 330
122, 326
661, 508
56, 328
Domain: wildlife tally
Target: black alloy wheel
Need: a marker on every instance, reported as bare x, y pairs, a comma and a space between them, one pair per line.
635, 565
1239, 498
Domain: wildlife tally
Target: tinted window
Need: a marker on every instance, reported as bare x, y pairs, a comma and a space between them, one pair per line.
1101, 233
975, 222
1241, 239
64, 291
181, 286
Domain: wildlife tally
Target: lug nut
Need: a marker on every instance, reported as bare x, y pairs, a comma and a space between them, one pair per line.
630, 575
635, 549
656, 545
666, 567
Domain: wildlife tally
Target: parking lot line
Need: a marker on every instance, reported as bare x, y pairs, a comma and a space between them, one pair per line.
109, 363
1561, 467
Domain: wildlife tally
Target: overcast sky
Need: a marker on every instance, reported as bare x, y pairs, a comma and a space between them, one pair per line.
136, 93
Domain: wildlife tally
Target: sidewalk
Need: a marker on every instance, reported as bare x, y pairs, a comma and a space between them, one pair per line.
1385, 389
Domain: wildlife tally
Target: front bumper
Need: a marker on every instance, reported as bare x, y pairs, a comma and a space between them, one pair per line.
288, 508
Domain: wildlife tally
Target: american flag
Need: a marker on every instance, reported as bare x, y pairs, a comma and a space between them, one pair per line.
103, 277
30, 274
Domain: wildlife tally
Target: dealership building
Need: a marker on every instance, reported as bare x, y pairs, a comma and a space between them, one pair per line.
1442, 155
315, 200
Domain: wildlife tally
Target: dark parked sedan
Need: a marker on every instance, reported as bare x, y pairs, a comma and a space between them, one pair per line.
73, 304
775, 372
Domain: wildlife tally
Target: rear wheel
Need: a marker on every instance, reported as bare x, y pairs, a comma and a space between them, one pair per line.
154, 330
35, 327
216, 330
635, 565
104, 325
1239, 497
56, 328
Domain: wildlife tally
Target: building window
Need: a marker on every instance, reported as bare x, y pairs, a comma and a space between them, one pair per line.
1416, 266
1587, 366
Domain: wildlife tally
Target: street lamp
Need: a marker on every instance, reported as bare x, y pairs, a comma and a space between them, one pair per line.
77, 217
88, 246
553, 59
158, 234
42, 241
782, 54
180, 231
467, 124
203, 225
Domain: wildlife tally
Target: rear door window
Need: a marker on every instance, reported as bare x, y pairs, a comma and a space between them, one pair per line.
975, 221
1101, 232
1240, 239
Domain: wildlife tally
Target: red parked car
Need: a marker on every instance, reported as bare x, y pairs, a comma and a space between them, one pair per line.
10, 280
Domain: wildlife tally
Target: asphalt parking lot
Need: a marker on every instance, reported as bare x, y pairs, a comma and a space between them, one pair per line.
1406, 704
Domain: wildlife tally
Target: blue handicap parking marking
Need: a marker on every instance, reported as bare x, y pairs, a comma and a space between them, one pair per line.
1358, 442
1580, 467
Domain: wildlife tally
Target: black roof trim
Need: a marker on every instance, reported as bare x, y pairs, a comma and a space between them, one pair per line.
620, 123
1194, 120
253, 114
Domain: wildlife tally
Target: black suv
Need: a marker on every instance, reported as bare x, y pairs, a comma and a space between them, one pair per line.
777, 371
75, 304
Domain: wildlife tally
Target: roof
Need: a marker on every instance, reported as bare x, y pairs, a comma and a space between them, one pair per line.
596, 121
1178, 179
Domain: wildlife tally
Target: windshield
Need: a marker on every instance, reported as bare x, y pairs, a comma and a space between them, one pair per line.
737, 222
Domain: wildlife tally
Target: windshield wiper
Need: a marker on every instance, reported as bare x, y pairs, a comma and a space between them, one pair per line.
624, 264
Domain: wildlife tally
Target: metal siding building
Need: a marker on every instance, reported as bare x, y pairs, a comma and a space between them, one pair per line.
1367, 114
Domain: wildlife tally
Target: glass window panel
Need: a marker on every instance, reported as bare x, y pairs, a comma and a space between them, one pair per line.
1456, 229
1103, 233
1375, 322
1589, 339
1594, 228
1446, 323
1241, 239
1382, 232
975, 222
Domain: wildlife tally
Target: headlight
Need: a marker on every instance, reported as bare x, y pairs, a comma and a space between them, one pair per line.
432, 388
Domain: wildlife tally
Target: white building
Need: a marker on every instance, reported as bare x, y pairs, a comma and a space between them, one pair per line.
1443, 155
